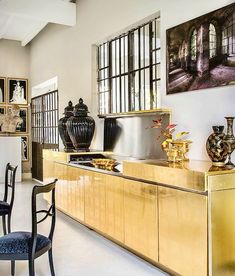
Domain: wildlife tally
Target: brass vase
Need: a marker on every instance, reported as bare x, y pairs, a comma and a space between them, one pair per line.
229, 139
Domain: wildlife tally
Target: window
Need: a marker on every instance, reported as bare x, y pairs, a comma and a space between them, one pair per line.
45, 119
228, 35
129, 70
193, 45
212, 41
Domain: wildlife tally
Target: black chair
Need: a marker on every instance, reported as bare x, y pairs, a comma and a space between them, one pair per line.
31, 245
5, 207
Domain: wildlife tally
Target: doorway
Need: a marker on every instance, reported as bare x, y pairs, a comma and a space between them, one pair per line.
44, 119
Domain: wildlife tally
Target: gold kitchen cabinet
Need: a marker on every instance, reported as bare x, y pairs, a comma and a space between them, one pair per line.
141, 218
76, 196
61, 187
178, 216
183, 231
114, 208
95, 200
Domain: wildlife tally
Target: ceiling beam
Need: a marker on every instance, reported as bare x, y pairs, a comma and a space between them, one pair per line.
5, 27
33, 32
53, 11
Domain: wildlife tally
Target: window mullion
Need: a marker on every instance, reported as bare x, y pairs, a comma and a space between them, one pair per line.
110, 75
130, 68
139, 61
151, 65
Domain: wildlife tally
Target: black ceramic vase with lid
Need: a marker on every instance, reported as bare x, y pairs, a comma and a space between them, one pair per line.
216, 148
81, 127
62, 127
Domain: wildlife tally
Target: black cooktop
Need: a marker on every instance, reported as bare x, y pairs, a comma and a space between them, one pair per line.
88, 163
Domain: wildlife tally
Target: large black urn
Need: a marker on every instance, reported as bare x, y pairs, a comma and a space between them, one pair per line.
68, 112
81, 127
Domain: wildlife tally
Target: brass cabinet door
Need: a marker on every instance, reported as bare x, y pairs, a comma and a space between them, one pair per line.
95, 200
140, 218
61, 186
114, 208
183, 231
48, 176
76, 197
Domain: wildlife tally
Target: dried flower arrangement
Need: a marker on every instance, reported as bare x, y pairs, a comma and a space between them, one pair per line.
175, 146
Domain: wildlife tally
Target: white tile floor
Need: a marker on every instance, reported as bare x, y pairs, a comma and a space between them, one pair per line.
78, 251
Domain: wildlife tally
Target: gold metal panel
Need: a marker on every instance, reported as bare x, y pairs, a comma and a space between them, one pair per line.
76, 197
54, 155
114, 208
183, 231
221, 182
140, 218
61, 186
222, 235
95, 200
166, 173
48, 171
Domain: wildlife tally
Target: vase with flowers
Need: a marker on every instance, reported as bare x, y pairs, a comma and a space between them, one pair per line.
174, 145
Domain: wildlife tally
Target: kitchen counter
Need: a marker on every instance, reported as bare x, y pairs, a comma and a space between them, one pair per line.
155, 209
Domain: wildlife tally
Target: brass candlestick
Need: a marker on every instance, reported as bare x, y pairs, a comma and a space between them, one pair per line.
229, 139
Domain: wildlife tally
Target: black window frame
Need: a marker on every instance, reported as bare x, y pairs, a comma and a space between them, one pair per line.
128, 70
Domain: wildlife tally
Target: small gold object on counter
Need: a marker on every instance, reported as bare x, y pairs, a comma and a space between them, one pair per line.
104, 163
176, 150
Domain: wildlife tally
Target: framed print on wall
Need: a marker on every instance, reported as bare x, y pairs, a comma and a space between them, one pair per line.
2, 110
22, 128
17, 91
2, 90
201, 52
25, 148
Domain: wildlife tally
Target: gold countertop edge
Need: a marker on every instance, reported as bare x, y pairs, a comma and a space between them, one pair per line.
205, 173
122, 175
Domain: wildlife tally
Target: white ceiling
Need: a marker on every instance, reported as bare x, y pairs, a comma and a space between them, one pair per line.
23, 19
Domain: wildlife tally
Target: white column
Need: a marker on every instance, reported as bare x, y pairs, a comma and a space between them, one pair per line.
10, 152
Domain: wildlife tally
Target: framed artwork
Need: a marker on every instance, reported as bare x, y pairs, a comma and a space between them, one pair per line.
17, 91
22, 128
201, 52
2, 110
2, 90
25, 148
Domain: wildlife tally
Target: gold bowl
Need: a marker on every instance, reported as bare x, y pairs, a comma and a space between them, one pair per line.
104, 163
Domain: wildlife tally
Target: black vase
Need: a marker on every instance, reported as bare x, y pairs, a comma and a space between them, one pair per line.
81, 127
111, 130
62, 127
216, 148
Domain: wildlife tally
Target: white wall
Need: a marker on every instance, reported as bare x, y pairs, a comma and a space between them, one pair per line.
14, 59
14, 62
67, 53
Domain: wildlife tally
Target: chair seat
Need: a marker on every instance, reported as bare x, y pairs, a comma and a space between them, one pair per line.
4, 207
19, 242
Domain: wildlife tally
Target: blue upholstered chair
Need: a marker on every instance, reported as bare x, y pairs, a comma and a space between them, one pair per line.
31, 245
7, 203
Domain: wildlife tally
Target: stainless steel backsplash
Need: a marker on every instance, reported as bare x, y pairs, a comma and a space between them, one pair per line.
134, 138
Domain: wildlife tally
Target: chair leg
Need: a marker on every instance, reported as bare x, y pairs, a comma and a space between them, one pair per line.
31, 268
9, 223
51, 262
4, 225
12, 268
